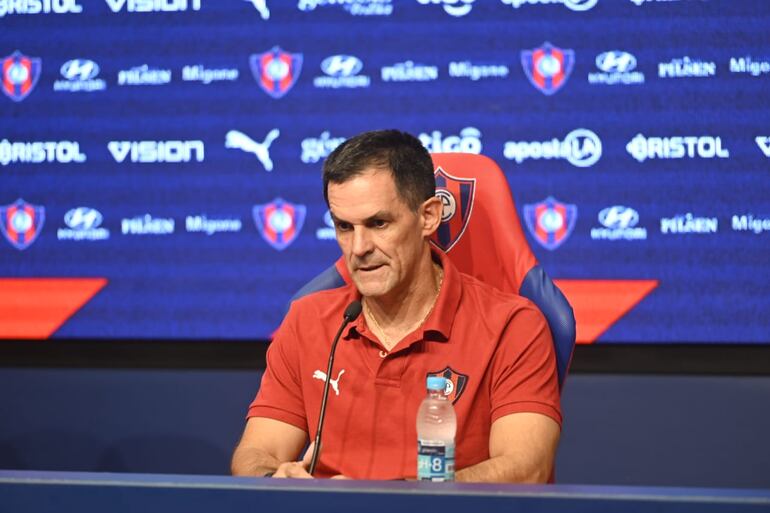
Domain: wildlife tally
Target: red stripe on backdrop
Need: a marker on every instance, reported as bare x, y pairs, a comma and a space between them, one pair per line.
598, 304
37, 307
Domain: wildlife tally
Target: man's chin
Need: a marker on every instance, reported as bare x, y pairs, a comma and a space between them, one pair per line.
369, 288
369, 291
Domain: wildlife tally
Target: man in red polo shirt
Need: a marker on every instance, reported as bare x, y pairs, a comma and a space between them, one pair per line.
421, 317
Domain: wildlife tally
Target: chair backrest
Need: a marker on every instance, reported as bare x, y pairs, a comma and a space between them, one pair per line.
481, 233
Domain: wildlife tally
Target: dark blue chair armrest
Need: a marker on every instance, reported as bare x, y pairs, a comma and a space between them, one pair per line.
330, 278
538, 288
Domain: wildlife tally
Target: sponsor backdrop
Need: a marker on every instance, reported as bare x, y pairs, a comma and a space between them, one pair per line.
160, 159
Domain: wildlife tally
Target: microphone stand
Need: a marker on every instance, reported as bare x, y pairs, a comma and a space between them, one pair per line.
351, 313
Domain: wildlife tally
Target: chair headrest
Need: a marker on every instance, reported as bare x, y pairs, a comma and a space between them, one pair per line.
480, 228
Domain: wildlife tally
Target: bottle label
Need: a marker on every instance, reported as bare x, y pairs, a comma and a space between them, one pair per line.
435, 461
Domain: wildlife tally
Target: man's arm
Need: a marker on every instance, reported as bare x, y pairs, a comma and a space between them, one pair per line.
525, 391
522, 449
269, 445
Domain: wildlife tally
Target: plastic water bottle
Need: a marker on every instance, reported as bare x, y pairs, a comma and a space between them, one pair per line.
436, 428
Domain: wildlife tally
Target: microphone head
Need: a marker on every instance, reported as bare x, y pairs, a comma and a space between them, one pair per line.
352, 311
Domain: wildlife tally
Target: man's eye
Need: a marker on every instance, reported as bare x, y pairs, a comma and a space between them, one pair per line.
379, 223
343, 227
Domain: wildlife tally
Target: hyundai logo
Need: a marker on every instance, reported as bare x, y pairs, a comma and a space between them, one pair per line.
618, 217
83, 218
79, 69
341, 65
615, 61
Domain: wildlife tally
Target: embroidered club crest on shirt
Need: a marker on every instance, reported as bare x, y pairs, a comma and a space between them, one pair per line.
456, 382
456, 195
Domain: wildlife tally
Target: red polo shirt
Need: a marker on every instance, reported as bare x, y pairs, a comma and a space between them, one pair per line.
495, 348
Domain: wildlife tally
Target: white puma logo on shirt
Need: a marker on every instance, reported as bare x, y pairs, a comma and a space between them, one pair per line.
333, 382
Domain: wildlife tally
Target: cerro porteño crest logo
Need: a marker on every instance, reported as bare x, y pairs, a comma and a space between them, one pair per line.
279, 222
21, 223
456, 195
456, 382
20, 74
276, 71
550, 221
548, 67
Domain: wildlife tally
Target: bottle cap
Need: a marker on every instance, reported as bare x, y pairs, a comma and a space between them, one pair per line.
436, 383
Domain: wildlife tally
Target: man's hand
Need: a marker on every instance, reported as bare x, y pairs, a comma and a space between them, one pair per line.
265, 445
297, 469
269, 444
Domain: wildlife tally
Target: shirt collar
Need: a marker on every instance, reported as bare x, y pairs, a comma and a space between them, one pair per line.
357, 326
442, 316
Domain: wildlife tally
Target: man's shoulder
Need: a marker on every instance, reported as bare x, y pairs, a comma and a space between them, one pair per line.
503, 319
489, 299
312, 315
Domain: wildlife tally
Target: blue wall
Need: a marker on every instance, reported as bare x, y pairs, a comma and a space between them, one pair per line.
645, 430
666, 430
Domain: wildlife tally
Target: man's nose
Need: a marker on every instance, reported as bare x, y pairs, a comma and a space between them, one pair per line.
362, 241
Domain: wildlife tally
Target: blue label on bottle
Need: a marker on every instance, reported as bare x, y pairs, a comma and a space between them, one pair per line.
435, 461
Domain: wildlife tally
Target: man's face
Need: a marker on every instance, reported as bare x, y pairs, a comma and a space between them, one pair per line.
381, 238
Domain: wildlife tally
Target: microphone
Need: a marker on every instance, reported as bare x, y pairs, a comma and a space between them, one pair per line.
351, 313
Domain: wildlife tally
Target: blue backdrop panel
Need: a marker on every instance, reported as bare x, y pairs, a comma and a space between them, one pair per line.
152, 142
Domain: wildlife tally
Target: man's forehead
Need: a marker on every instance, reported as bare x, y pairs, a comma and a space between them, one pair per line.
369, 176
361, 209
373, 190
371, 184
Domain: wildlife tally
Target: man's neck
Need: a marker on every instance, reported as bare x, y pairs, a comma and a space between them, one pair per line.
395, 316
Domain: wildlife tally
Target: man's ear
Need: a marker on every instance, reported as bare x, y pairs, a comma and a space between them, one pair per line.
430, 212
